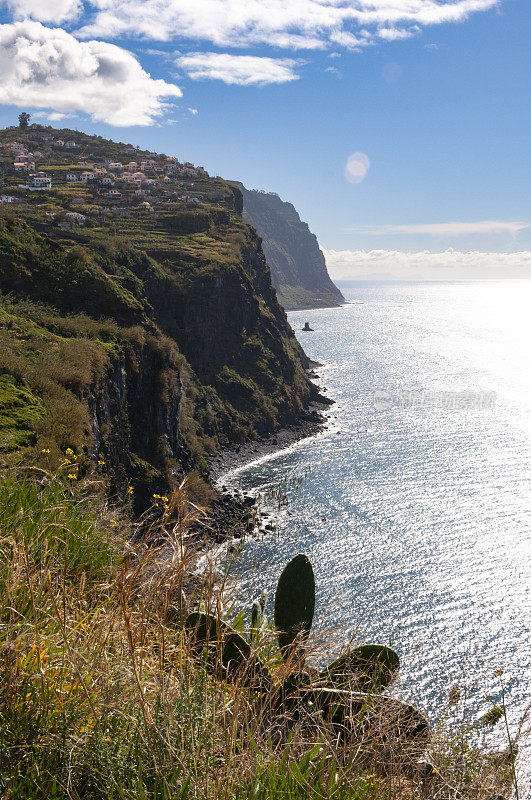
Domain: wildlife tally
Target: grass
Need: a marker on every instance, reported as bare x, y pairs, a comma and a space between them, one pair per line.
102, 695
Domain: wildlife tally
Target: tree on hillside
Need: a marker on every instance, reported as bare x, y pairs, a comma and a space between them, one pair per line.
23, 119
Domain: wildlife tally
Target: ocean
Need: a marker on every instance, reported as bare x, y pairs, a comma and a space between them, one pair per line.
414, 502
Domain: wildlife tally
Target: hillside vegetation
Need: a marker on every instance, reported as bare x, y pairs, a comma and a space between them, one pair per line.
142, 332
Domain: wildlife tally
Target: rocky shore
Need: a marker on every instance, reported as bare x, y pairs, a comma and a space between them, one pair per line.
232, 515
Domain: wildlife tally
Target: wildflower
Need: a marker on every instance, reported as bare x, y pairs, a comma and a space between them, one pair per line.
71, 476
129, 490
45, 450
101, 462
69, 451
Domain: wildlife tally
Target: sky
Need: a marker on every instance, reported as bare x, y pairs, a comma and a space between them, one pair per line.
399, 129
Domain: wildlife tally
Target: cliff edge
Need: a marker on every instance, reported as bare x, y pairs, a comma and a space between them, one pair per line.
138, 324
297, 264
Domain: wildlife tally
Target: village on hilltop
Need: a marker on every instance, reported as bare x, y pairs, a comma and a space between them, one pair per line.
85, 177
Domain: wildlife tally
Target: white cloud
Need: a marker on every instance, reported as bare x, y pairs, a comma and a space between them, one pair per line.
357, 167
485, 228
296, 24
48, 68
241, 70
393, 34
44, 10
448, 265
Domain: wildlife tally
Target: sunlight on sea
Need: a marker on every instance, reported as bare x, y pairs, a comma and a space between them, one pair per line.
415, 508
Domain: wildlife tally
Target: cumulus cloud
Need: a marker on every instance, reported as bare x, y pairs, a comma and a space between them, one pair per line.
49, 68
448, 265
486, 228
241, 70
44, 10
297, 24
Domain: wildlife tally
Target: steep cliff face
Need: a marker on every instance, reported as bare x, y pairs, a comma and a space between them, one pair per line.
145, 352
298, 267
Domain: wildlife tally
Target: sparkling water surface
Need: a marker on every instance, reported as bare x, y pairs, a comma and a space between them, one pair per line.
415, 503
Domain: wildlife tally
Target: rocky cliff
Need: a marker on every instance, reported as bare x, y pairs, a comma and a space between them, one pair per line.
298, 268
146, 340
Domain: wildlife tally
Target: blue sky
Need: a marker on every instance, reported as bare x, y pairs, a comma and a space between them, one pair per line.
428, 98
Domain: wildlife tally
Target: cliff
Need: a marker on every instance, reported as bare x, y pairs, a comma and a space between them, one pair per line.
145, 340
298, 268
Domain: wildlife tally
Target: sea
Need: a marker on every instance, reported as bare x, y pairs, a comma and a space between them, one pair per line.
414, 501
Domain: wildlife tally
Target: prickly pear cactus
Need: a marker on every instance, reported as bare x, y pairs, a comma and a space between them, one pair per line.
294, 604
229, 655
378, 716
370, 667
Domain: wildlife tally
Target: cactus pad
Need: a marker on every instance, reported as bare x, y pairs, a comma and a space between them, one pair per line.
370, 667
229, 654
294, 603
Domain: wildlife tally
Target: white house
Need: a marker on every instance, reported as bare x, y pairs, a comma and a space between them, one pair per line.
71, 176
39, 181
7, 198
73, 216
107, 181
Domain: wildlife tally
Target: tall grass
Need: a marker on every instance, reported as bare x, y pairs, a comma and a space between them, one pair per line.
101, 694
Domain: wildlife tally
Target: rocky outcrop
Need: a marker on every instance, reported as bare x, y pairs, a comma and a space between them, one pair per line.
298, 268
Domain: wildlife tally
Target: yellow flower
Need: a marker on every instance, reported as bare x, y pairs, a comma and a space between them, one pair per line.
101, 463
72, 477
129, 490
45, 450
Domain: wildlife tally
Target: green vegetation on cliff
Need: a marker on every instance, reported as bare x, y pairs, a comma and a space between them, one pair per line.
140, 331
298, 267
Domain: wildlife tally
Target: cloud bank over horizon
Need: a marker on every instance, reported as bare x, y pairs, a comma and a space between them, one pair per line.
426, 265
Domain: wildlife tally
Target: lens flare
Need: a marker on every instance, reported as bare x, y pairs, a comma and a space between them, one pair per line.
356, 167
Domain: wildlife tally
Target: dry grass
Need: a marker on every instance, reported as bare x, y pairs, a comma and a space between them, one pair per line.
102, 694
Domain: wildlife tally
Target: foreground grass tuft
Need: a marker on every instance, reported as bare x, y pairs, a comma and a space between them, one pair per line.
100, 695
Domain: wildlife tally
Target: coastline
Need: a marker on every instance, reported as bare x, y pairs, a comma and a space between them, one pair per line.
311, 422
233, 515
